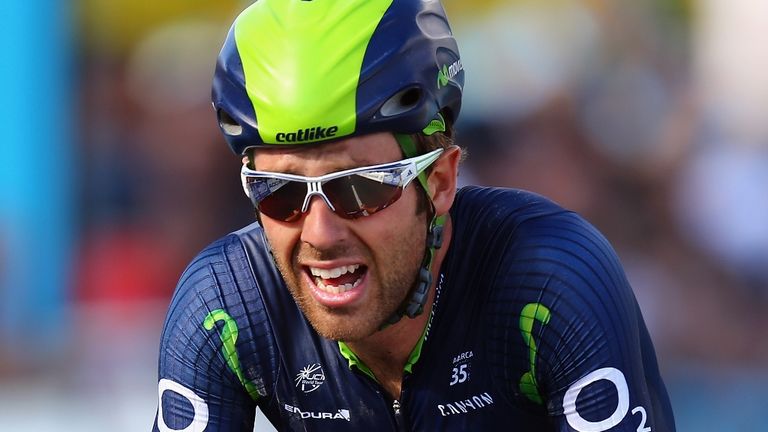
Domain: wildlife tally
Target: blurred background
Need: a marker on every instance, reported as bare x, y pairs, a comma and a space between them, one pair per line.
647, 117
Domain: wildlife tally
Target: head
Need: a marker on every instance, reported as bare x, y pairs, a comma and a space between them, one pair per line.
307, 89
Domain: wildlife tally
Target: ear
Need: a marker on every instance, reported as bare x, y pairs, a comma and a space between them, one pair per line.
442, 180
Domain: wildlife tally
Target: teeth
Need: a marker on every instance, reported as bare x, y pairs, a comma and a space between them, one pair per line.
334, 272
321, 275
337, 289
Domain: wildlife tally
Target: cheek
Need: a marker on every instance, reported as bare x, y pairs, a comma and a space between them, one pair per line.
398, 227
282, 239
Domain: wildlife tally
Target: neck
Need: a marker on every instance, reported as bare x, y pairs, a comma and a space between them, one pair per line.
386, 352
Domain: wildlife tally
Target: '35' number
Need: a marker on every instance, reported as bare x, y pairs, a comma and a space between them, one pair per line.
459, 374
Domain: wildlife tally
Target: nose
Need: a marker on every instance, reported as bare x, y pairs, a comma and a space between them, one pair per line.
321, 227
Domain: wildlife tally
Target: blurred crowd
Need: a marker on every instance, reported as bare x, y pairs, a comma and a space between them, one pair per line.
644, 117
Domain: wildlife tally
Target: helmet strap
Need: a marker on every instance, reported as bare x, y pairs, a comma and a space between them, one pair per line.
414, 304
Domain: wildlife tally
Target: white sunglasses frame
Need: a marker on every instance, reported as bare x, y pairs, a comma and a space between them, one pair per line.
383, 173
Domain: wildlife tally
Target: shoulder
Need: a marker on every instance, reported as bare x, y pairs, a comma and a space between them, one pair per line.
234, 246
237, 257
228, 282
531, 261
494, 205
521, 252
517, 220
526, 248
217, 342
531, 249
560, 311
515, 228
218, 304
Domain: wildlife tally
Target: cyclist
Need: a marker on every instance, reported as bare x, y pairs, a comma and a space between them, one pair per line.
371, 294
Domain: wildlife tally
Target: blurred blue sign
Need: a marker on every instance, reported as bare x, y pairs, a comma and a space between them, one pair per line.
36, 170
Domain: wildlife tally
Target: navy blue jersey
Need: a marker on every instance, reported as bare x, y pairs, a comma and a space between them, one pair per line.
534, 328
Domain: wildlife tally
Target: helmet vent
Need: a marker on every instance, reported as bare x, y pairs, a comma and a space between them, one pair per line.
228, 124
401, 102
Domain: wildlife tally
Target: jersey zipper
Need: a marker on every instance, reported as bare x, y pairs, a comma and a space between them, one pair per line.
399, 419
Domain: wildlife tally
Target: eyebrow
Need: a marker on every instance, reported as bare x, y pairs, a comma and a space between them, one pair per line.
334, 168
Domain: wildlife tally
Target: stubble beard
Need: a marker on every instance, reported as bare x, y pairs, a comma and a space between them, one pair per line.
390, 279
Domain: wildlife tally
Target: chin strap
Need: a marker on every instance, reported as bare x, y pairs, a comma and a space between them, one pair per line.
414, 303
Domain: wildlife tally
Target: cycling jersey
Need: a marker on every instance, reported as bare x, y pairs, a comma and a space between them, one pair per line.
534, 327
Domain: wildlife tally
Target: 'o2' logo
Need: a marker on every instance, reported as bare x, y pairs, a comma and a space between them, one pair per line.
199, 407
616, 377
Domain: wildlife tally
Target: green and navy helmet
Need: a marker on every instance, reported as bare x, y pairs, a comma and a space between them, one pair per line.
305, 71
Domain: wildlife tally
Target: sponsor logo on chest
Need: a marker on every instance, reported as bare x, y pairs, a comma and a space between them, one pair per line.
310, 378
464, 406
340, 414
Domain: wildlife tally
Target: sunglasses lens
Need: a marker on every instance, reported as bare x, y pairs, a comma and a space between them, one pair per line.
355, 196
350, 196
285, 203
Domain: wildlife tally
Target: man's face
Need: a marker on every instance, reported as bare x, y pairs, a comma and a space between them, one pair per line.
347, 275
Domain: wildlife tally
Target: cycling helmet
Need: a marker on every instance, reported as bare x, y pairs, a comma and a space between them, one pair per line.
307, 71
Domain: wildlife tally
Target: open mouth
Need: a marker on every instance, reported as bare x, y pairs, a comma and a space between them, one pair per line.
338, 280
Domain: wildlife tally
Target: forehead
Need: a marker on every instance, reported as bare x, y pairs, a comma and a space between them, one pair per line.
325, 158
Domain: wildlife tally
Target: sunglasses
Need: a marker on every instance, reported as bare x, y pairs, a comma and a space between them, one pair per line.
351, 193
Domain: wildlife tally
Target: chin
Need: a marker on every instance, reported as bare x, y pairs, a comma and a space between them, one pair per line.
341, 328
